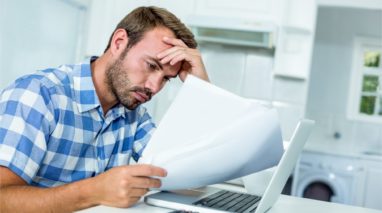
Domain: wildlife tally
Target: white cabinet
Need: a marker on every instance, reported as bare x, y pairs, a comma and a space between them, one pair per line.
289, 90
373, 184
226, 66
293, 53
295, 39
182, 9
257, 77
300, 14
253, 10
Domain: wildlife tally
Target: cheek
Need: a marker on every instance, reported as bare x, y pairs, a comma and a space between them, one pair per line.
135, 72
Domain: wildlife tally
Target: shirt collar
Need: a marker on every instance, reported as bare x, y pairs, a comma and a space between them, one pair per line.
84, 90
85, 93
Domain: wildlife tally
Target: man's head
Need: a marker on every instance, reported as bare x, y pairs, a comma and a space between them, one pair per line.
136, 74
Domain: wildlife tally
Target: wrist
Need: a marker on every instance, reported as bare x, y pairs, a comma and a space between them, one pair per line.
88, 193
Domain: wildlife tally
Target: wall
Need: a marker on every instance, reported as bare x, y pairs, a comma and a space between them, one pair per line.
38, 34
330, 76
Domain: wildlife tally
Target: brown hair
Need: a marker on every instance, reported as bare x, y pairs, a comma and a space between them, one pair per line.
143, 19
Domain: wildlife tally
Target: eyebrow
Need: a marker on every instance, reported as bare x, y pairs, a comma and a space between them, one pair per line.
156, 61
160, 66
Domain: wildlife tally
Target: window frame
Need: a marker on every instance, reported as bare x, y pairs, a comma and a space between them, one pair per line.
356, 81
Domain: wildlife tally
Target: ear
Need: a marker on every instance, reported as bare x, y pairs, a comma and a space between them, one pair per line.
118, 42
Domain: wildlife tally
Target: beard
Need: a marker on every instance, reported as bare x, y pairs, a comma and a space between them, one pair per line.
120, 85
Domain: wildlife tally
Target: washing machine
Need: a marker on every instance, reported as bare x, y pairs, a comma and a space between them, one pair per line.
326, 177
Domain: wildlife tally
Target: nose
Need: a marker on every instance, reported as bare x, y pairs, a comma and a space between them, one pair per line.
155, 83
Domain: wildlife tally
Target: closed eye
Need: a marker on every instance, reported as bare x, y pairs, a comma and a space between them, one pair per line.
152, 66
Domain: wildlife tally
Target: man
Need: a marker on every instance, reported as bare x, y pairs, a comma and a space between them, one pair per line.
67, 134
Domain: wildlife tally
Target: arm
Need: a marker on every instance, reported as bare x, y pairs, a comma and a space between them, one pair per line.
119, 187
191, 59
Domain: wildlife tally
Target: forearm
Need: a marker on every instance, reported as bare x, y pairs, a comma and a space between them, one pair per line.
65, 198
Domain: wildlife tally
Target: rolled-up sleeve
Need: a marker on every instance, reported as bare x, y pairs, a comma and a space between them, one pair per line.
25, 117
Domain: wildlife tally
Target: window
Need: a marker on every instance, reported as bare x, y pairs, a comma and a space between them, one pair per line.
365, 95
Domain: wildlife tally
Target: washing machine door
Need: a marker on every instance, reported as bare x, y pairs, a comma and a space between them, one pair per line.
321, 187
318, 190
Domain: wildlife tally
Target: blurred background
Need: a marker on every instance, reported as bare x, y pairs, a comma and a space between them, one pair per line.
319, 59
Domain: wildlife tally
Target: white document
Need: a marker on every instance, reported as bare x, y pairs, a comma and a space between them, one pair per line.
209, 135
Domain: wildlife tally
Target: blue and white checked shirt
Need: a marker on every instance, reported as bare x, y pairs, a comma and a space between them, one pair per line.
52, 128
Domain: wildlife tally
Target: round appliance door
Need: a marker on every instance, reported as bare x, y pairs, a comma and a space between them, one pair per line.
321, 186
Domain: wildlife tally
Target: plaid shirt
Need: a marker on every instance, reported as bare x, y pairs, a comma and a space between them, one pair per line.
53, 131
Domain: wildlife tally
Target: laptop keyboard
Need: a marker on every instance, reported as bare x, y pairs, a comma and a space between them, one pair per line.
230, 201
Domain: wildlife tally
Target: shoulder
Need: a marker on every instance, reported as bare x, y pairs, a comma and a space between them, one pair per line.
38, 87
47, 78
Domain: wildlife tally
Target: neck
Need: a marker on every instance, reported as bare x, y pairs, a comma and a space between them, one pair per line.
105, 96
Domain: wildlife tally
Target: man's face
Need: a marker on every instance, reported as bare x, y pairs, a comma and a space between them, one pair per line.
135, 78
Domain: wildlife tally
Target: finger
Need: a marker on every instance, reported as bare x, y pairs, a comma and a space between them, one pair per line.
168, 51
169, 57
179, 57
145, 182
146, 170
137, 192
174, 41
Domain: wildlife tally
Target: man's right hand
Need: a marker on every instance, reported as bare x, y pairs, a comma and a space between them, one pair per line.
123, 186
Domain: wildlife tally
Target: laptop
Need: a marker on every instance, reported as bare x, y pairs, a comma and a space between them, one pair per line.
210, 199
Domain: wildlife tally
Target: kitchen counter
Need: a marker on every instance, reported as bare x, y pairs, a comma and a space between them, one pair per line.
341, 149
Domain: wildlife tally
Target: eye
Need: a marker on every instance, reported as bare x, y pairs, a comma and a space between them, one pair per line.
151, 66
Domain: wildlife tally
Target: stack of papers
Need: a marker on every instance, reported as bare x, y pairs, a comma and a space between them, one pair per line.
209, 135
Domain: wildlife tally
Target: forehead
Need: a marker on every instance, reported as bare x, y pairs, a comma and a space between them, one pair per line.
153, 39
152, 44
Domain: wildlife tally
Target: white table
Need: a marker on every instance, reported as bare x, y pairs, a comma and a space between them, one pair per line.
285, 204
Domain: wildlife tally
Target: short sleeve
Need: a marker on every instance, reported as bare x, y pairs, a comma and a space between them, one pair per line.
145, 129
25, 117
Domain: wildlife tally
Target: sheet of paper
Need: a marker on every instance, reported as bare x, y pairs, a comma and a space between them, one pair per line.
209, 135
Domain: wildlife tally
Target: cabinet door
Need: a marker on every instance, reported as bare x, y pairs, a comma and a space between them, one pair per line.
254, 10
182, 9
373, 188
295, 39
300, 14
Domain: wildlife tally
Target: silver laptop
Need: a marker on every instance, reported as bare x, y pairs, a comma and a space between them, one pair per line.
211, 199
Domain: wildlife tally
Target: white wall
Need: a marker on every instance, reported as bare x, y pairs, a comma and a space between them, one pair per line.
330, 75
38, 34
